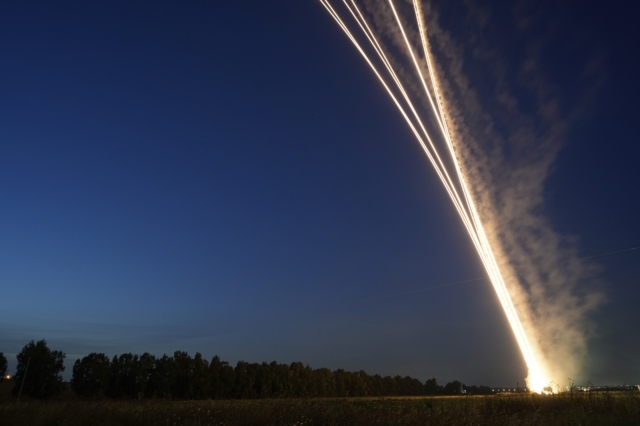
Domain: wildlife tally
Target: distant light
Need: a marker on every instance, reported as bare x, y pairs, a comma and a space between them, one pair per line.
8, 376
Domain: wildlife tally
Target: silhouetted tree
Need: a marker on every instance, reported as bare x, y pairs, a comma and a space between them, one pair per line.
298, 379
122, 377
484, 390
113, 390
409, 386
3, 366
326, 382
478, 390
453, 388
142, 370
215, 369
183, 377
182, 380
43, 379
91, 375
244, 380
160, 379
431, 387
228, 378
341, 386
262, 383
201, 387
390, 387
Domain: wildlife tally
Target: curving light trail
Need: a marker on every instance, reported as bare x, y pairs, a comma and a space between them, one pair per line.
457, 189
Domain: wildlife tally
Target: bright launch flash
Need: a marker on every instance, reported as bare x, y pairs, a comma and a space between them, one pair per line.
456, 187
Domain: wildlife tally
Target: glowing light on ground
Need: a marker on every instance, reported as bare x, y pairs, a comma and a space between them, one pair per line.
456, 187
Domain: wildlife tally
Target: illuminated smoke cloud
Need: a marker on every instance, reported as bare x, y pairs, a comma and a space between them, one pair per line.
495, 180
551, 286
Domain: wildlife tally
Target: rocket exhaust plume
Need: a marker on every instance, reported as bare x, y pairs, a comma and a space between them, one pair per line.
441, 150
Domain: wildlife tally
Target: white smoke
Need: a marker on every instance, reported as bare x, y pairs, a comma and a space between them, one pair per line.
508, 151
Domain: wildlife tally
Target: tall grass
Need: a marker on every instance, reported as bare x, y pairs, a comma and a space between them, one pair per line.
593, 409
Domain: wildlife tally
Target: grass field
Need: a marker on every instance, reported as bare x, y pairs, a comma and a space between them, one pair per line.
594, 409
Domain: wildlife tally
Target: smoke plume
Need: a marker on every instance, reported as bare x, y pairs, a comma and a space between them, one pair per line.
507, 150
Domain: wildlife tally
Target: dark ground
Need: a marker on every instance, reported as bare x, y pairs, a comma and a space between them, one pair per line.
619, 409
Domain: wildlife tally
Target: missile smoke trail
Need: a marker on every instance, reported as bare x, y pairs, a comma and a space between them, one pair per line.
456, 187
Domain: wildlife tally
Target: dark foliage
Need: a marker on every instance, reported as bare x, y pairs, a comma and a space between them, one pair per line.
91, 375
477, 390
453, 388
431, 387
42, 379
131, 376
3, 366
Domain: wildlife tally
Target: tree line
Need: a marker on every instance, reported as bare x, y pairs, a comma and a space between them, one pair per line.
130, 376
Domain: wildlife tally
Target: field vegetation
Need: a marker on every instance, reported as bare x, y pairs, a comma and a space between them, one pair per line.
564, 409
181, 390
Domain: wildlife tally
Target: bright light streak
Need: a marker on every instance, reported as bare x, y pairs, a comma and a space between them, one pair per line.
464, 205
536, 378
439, 166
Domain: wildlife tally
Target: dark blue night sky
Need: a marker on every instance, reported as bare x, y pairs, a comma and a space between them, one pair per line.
229, 178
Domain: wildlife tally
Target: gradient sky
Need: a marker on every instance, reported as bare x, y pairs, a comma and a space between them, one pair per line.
229, 178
